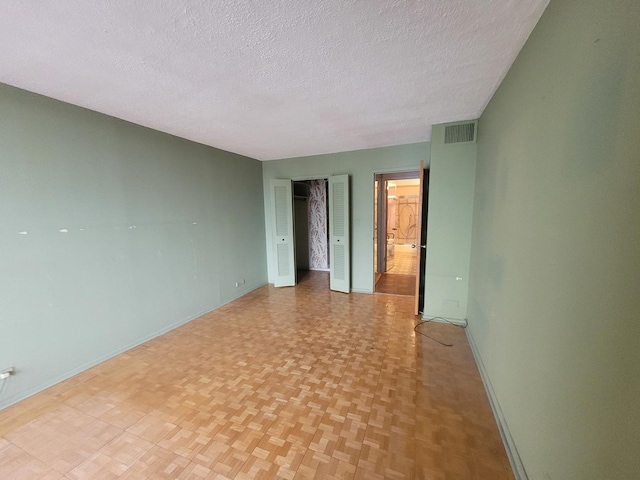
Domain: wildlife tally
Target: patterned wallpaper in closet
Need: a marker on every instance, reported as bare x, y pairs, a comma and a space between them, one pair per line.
318, 255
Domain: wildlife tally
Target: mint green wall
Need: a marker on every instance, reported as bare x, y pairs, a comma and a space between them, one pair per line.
361, 166
556, 243
451, 187
159, 229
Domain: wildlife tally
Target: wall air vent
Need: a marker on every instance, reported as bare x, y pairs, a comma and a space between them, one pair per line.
460, 133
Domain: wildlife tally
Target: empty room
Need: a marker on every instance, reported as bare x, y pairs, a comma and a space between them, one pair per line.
367, 239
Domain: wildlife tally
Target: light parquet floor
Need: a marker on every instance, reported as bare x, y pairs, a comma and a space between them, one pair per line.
403, 261
400, 277
293, 383
396, 284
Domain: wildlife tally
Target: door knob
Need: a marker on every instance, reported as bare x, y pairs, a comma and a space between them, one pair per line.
413, 245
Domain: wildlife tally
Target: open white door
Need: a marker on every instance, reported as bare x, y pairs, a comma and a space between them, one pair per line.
283, 240
339, 248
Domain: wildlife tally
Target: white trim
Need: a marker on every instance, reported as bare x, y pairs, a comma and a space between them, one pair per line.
304, 178
509, 444
442, 319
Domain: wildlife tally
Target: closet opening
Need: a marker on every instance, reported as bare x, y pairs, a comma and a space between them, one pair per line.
311, 213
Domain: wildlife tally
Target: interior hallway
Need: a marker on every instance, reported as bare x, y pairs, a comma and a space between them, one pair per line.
283, 383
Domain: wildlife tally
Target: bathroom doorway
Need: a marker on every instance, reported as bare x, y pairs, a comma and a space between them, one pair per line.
398, 236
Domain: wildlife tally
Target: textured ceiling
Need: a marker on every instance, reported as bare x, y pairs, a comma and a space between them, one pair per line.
269, 78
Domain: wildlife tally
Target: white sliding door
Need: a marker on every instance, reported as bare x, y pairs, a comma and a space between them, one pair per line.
283, 240
339, 253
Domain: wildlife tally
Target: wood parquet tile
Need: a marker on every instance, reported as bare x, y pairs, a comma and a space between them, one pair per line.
404, 261
394, 284
295, 383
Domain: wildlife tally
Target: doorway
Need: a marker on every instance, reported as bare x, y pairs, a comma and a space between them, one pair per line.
311, 226
283, 216
399, 212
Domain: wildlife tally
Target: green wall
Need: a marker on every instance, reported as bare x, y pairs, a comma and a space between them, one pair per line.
553, 305
361, 165
451, 186
126, 233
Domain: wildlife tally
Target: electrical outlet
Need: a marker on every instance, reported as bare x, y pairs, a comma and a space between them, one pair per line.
7, 372
240, 282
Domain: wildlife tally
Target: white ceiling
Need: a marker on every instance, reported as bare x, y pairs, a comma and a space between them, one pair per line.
269, 78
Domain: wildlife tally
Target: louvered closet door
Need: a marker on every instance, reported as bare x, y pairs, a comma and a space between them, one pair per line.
282, 227
339, 253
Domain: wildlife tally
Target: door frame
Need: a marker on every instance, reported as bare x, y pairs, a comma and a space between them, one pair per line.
326, 177
386, 176
306, 178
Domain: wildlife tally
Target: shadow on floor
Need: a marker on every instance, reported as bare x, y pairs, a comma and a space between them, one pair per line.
396, 284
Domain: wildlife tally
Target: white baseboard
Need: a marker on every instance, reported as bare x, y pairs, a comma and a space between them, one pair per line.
512, 452
441, 319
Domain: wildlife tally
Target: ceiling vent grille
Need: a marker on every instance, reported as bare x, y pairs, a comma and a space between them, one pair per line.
460, 133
